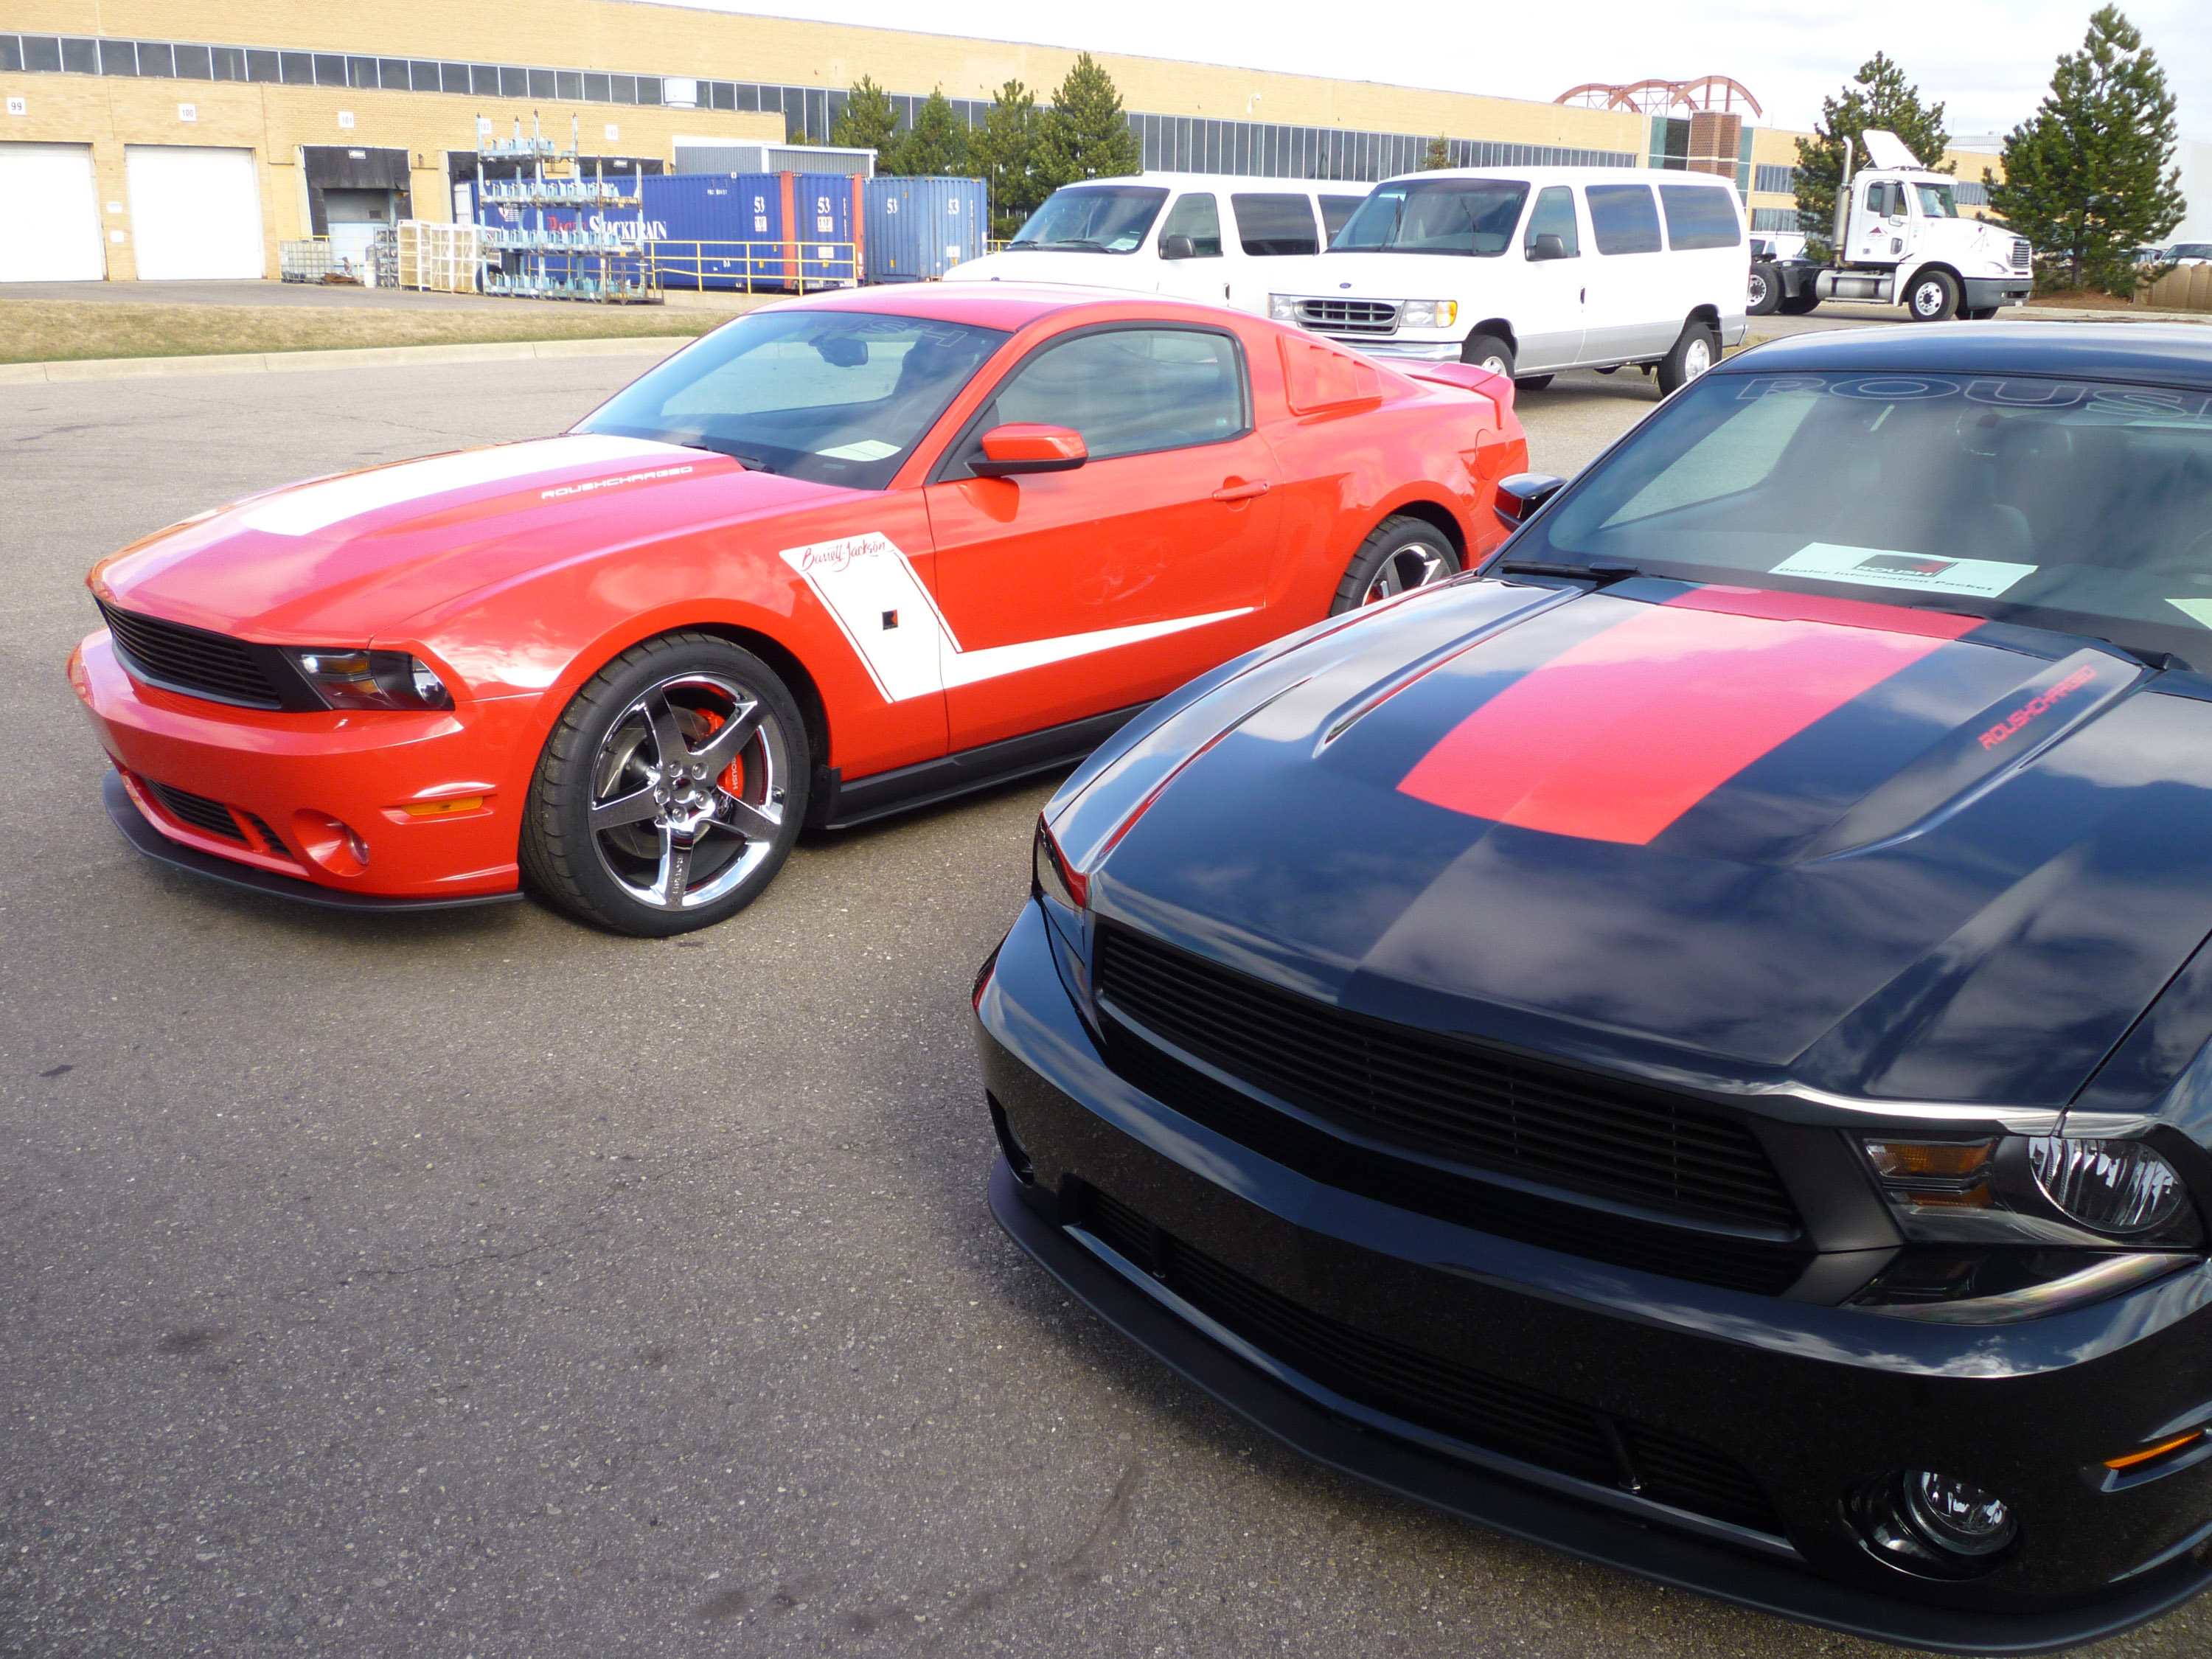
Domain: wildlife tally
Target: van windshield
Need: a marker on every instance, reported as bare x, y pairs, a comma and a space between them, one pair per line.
1464, 216
1092, 219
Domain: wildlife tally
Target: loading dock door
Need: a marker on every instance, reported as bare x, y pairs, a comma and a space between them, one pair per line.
54, 215
194, 213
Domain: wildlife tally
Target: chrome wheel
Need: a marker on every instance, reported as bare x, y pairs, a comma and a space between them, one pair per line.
1416, 564
687, 791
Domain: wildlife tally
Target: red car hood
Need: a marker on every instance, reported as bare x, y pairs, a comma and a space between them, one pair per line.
344, 560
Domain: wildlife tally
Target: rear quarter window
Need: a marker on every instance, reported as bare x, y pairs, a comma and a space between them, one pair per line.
1699, 216
1269, 225
1622, 218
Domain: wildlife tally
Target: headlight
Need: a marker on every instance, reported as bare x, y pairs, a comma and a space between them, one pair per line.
2040, 1189
1282, 307
2112, 1186
348, 678
1428, 314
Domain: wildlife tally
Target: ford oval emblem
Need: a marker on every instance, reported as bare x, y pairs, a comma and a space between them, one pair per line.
1344, 285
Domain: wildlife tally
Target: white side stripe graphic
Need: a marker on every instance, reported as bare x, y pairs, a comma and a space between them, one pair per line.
889, 618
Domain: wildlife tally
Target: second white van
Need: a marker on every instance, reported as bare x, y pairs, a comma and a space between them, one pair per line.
1201, 236
1531, 270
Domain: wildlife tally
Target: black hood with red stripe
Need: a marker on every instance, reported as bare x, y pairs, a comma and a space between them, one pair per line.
1710, 833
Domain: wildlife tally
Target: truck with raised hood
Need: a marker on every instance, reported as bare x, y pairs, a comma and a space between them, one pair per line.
1899, 239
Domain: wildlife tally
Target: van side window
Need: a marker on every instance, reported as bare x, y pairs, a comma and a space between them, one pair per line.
1698, 215
1269, 225
1335, 211
1196, 217
1131, 391
1553, 216
1622, 218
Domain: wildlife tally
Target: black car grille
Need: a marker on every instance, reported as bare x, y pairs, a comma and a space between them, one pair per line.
197, 810
1349, 316
1446, 1097
1441, 1395
191, 660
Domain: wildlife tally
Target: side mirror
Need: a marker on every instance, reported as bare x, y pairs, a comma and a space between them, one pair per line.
1178, 246
1519, 496
1548, 246
1023, 448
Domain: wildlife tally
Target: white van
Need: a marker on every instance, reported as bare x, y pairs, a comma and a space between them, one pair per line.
1529, 271
1202, 236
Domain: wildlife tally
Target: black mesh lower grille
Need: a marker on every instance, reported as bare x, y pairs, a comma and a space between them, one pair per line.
261, 827
192, 659
197, 810
1441, 1395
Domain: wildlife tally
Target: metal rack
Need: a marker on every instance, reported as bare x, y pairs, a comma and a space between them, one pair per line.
540, 257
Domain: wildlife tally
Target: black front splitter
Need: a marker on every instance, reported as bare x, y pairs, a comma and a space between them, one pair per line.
1541, 1518
153, 844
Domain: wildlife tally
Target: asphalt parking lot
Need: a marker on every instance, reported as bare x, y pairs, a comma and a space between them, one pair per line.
476, 1284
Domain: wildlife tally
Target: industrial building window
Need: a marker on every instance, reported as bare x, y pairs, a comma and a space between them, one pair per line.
81, 56
1772, 180
1623, 219
360, 72
329, 69
264, 66
297, 69
569, 86
512, 83
118, 58
648, 89
595, 89
11, 53
721, 94
159, 58
1699, 216
42, 52
483, 80
623, 87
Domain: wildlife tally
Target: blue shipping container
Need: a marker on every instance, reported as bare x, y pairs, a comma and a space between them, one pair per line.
920, 228
718, 230
826, 228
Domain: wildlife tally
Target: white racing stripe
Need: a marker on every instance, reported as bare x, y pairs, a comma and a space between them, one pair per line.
889, 618
315, 506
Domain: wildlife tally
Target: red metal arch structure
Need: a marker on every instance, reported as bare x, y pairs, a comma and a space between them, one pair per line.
1708, 94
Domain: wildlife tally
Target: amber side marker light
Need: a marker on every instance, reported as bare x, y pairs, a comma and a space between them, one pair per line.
2151, 1453
435, 809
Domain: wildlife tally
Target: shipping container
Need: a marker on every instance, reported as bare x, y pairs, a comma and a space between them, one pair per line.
917, 229
826, 229
719, 230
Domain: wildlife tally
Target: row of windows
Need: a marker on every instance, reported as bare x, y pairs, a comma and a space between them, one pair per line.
1185, 144
1783, 181
1773, 180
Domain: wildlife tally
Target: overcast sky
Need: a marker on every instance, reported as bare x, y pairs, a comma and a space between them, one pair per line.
1988, 60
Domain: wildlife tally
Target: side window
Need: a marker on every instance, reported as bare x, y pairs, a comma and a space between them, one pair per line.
1275, 224
1699, 216
1336, 210
1131, 391
1196, 217
1553, 216
1622, 218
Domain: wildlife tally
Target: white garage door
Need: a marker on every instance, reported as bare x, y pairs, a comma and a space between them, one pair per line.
54, 215
194, 213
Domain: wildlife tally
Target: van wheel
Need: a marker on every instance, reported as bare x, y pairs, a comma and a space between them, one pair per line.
1798, 304
1933, 297
1532, 382
1697, 351
1403, 552
1488, 351
1764, 297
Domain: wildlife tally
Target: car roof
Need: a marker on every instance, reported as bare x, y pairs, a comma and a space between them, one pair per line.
2164, 353
1539, 176
1242, 183
1009, 305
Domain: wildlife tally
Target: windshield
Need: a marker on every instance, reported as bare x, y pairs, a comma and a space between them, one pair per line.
835, 397
1936, 201
1445, 215
2083, 506
1093, 218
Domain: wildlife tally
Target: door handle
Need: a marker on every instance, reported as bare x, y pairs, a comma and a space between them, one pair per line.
1241, 492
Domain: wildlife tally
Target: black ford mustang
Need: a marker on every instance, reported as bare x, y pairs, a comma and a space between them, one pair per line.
1690, 1044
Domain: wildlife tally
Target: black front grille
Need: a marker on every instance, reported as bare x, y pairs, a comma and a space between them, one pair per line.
1349, 316
1448, 1097
1439, 1394
211, 815
191, 660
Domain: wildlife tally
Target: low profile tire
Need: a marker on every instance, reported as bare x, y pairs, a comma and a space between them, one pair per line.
1532, 382
1403, 552
1697, 351
1763, 297
670, 791
1933, 297
1488, 351
1798, 304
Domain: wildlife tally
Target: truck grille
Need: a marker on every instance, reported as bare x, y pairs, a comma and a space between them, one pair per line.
1434, 1393
1447, 1097
1349, 316
2021, 254
191, 660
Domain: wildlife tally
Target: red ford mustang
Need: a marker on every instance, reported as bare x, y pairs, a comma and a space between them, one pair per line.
846, 555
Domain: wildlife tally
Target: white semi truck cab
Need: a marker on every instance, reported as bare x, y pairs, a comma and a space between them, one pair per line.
1899, 239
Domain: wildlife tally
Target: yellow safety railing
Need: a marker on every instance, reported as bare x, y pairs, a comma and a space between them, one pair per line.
754, 267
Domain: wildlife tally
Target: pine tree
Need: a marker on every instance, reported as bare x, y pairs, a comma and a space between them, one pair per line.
1880, 97
1439, 155
937, 144
869, 121
1003, 152
2086, 178
1085, 134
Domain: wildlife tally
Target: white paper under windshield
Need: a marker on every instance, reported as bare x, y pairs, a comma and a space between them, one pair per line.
1879, 567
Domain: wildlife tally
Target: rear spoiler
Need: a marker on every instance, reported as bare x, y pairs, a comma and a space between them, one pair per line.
1465, 376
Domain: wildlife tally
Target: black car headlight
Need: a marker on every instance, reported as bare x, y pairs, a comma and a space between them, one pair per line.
2034, 1189
346, 678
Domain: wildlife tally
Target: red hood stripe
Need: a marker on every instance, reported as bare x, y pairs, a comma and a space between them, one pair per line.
1619, 735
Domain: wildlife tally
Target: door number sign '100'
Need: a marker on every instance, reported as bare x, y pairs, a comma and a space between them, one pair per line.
892, 620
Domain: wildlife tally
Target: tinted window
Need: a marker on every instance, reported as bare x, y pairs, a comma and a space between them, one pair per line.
837, 397
1129, 390
1553, 216
1093, 219
1336, 212
1275, 224
1196, 217
1448, 215
1699, 216
1622, 218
